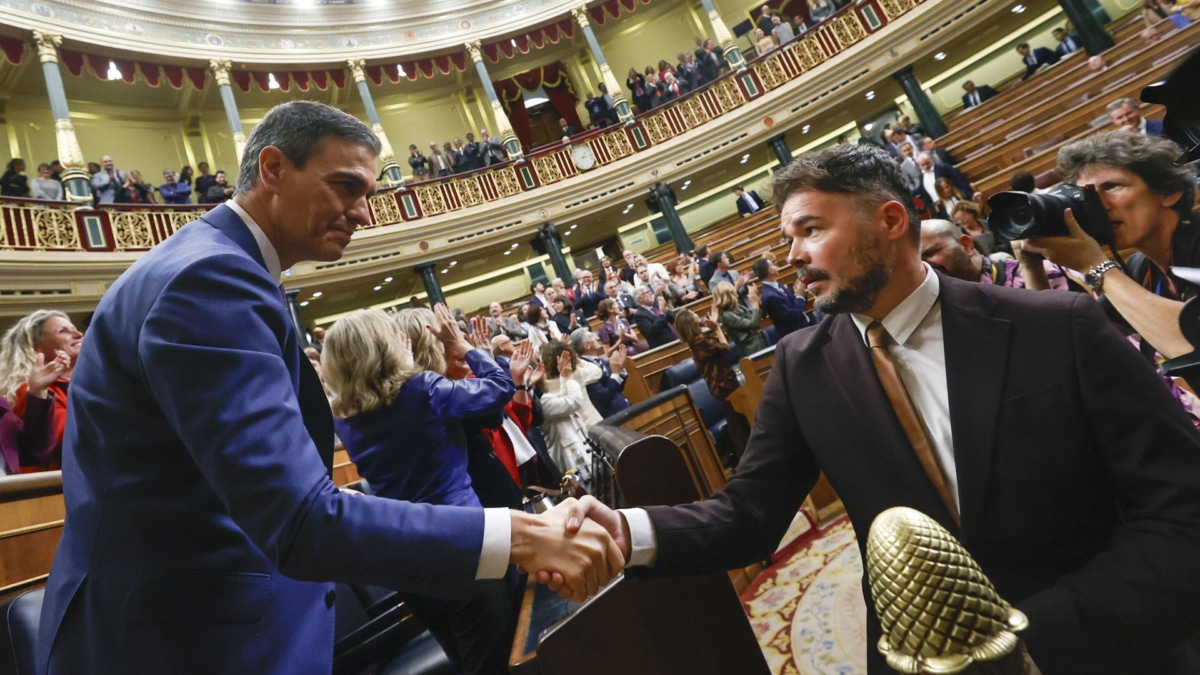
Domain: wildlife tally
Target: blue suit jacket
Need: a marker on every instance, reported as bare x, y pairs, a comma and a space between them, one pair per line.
605, 393
1154, 127
201, 521
784, 309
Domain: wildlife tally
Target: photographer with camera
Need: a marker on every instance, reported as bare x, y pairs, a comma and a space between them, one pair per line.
1147, 202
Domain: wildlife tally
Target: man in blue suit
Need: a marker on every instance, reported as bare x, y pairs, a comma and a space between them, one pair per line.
202, 525
1034, 59
785, 307
1067, 44
605, 393
748, 203
1126, 113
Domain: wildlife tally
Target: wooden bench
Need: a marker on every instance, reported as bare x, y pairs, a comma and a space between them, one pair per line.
32, 513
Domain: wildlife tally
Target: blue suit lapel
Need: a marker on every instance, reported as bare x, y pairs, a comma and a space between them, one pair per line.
230, 224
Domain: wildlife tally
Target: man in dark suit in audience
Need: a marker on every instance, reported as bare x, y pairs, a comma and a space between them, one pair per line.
976, 95
605, 393
1067, 44
940, 155
748, 202
624, 301
1035, 435
930, 172
653, 318
1035, 58
203, 530
785, 307
705, 265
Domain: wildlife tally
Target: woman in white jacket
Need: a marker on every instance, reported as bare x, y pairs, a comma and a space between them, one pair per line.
569, 412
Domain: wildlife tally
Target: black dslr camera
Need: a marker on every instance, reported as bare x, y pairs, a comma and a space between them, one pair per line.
1019, 215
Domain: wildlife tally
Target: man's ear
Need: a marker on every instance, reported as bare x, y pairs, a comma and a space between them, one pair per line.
895, 219
1171, 200
272, 165
966, 242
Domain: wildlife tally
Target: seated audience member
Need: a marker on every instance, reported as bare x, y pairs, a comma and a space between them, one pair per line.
107, 182
14, 183
220, 191
785, 307
763, 42
710, 351
499, 324
1126, 113
46, 334
683, 283
653, 318
135, 190
401, 421
1067, 44
748, 203
1096, 63
819, 10
782, 31
44, 186
419, 163
1022, 181
605, 393
588, 293
743, 324
1149, 200
615, 330
28, 440
947, 249
173, 191
1035, 58
940, 156
566, 130
976, 96
968, 216
568, 411
318, 338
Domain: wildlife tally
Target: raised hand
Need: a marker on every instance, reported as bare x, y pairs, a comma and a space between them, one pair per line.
537, 374
518, 365
445, 328
662, 304
617, 360
43, 374
565, 366
406, 352
752, 295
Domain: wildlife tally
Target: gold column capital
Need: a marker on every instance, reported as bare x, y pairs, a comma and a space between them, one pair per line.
220, 69
47, 46
580, 15
356, 67
474, 48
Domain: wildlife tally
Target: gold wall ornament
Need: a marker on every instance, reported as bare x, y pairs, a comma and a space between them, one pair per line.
469, 192
431, 200
220, 69
939, 613
131, 230
474, 48
54, 228
580, 15
729, 94
894, 8
357, 69
771, 73
848, 29
657, 127
69, 152
618, 144
385, 210
47, 46
506, 182
546, 168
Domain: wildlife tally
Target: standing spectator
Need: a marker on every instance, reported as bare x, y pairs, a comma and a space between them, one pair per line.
722, 264
687, 72
638, 93
683, 283
458, 156
56, 169
819, 10
782, 31
46, 334
1035, 59
448, 153
605, 393
711, 353
173, 191
93, 168
654, 318
186, 176
742, 324
1067, 44
763, 41
44, 186
569, 412
204, 181
939, 155
108, 182
499, 324
418, 162
764, 19
786, 307
597, 109
221, 191
588, 293
491, 149
748, 203
470, 153
13, 183
615, 330
439, 164
135, 190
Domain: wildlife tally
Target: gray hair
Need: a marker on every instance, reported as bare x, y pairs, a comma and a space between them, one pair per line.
1152, 158
942, 229
909, 144
1120, 102
924, 155
579, 338
298, 128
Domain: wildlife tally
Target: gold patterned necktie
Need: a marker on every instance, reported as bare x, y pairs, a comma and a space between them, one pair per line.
878, 340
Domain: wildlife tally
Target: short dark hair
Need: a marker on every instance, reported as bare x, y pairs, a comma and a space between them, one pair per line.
761, 268
737, 188
1022, 181
715, 258
1023, 45
856, 170
702, 252
298, 129
1152, 158
43, 166
1059, 30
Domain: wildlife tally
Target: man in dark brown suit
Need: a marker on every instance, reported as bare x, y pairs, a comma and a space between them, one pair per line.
1076, 475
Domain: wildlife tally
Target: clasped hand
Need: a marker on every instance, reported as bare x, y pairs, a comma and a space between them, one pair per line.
587, 545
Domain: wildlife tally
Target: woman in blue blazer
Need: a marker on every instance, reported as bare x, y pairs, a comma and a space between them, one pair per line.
401, 420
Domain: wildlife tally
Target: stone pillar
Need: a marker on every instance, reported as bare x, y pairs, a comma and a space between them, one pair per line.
293, 310
433, 288
1091, 32
928, 115
779, 146
661, 195
614, 87
391, 170
722, 36
220, 71
552, 241
76, 182
504, 128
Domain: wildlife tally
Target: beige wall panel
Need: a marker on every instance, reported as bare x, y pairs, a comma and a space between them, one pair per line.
408, 121
514, 284
636, 41
34, 132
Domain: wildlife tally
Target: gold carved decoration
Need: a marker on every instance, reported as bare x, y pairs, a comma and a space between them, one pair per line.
47, 46
848, 29
180, 218
809, 52
771, 73
657, 127
131, 230
53, 228
894, 8
547, 169
580, 15
618, 144
356, 69
220, 69
939, 613
385, 209
431, 200
473, 48
469, 192
69, 152
506, 182
729, 95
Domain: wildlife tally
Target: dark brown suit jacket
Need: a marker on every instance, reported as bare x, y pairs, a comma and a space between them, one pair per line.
1079, 475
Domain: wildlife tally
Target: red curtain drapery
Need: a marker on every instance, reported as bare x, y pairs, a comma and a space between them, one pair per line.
551, 78
13, 49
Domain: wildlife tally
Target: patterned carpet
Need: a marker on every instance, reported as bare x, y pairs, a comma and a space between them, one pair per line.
807, 609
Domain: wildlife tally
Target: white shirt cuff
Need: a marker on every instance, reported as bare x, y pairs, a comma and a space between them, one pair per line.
643, 544
497, 542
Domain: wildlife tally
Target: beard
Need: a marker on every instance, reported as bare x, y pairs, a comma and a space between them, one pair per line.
857, 294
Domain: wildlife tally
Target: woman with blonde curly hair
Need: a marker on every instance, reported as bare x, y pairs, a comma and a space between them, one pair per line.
401, 420
41, 338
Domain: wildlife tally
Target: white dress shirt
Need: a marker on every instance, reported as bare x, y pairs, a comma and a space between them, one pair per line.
929, 181
973, 97
750, 202
497, 523
919, 352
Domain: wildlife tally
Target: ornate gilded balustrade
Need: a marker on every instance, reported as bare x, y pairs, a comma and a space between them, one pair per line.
57, 226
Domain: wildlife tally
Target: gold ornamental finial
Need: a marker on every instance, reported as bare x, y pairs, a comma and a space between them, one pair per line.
357, 67
940, 614
220, 69
580, 15
474, 48
47, 46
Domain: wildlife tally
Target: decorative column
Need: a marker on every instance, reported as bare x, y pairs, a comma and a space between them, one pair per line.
928, 115
433, 289
1091, 32
610, 81
662, 197
780, 147
722, 36
551, 240
293, 310
391, 170
504, 128
76, 184
220, 71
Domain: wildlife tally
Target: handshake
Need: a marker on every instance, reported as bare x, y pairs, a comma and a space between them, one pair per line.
575, 548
